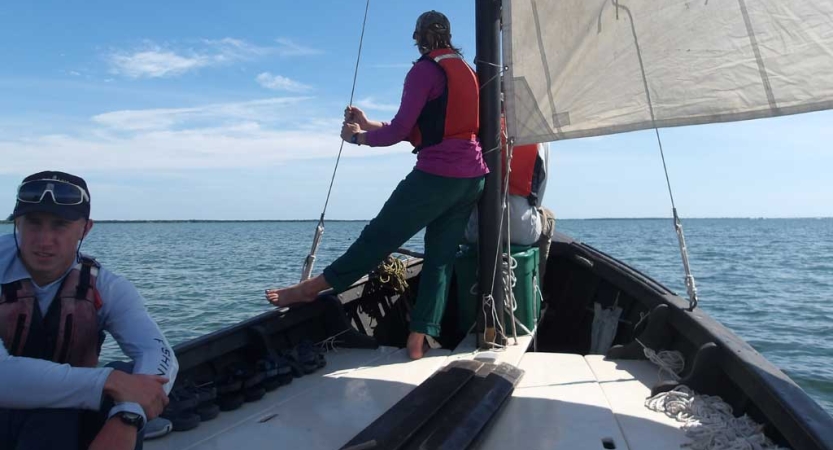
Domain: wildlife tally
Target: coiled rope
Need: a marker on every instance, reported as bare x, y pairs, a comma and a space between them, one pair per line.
707, 420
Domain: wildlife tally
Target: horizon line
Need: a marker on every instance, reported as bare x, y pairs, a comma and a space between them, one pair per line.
367, 220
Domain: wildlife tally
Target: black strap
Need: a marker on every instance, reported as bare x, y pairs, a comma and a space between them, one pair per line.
10, 291
84, 280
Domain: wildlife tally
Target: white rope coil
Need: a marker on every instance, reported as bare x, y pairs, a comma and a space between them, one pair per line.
670, 362
707, 420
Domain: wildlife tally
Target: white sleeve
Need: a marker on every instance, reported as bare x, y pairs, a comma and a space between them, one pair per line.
29, 383
127, 320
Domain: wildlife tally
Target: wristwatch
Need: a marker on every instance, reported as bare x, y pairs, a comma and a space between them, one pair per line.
355, 139
131, 418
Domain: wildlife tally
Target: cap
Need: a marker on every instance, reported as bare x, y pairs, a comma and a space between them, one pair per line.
47, 203
432, 20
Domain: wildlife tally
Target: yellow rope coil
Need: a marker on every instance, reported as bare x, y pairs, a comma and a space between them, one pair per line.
392, 272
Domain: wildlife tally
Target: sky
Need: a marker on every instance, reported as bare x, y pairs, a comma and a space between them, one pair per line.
221, 111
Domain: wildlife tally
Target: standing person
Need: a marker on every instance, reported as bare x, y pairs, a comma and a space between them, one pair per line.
55, 304
439, 116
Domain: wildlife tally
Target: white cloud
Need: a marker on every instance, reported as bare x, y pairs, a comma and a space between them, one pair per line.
269, 110
286, 47
253, 134
157, 61
371, 104
280, 83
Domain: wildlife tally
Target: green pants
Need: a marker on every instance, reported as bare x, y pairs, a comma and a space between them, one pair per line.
442, 206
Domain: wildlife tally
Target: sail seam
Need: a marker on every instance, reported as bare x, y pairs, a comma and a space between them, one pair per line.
556, 120
757, 51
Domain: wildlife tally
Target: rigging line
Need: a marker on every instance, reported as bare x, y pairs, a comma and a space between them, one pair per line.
352, 93
309, 262
499, 327
690, 284
662, 155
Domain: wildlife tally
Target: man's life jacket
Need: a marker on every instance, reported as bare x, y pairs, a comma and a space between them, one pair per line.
68, 333
527, 173
528, 169
456, 113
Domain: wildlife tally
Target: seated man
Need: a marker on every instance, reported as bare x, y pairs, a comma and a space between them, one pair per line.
529, 222
54, 306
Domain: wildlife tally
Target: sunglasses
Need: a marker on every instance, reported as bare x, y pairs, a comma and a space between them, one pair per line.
63, 192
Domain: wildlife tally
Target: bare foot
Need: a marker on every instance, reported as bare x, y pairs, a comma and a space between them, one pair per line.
303, 292
416, 345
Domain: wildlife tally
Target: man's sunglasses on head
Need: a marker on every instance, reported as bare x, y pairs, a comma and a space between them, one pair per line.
63, 192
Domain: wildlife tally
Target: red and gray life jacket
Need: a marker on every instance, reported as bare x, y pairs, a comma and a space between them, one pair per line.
456, 113
527, 173
68, 333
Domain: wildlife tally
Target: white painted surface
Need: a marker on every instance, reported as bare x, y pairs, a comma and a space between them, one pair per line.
563, 401
318, 411
512, 354
626, 385
557, 405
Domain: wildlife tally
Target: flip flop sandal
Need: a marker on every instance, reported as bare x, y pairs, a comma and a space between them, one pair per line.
207, 411
228, 383
278, 372
184, 421
254, 394
180, 410
305, 356
230, 402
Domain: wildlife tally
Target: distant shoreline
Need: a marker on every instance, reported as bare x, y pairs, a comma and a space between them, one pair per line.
366, 220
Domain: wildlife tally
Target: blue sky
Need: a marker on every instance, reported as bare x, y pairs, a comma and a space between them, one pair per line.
221, 111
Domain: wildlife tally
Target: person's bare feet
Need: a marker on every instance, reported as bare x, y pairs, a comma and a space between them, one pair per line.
416, 345
287, 296
303, 292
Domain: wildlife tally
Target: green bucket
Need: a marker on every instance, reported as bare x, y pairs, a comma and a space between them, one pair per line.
526, 292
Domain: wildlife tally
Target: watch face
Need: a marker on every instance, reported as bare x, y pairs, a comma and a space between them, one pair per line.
130, 418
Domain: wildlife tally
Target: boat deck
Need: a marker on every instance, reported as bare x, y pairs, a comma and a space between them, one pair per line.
563, 401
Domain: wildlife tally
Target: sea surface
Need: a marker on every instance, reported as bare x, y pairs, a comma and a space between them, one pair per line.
768, 280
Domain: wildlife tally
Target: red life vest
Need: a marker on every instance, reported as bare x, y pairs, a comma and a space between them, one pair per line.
456, 113
528, 169
525, 162
69, 333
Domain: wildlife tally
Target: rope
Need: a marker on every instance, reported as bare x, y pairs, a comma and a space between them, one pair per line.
392, 272
352, 93
707, 420
329, 344
670, 362
499, 327
306, 271
689, 278
499, 74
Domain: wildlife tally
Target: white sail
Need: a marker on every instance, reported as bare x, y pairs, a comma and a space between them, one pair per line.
581, 68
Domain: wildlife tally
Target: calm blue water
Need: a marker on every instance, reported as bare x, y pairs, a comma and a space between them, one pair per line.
770, 281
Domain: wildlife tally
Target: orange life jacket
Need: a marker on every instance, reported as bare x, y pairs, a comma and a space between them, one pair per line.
525, 177
528, 169
68, 333
456, 113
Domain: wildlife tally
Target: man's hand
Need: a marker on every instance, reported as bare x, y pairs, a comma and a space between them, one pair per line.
146, 390
115, 435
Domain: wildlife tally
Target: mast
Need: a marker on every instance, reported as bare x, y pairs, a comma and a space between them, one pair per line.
487, 30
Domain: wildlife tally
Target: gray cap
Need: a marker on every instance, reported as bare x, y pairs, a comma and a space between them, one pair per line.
432, 20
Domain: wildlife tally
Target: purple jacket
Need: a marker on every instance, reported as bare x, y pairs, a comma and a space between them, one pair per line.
454, 158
